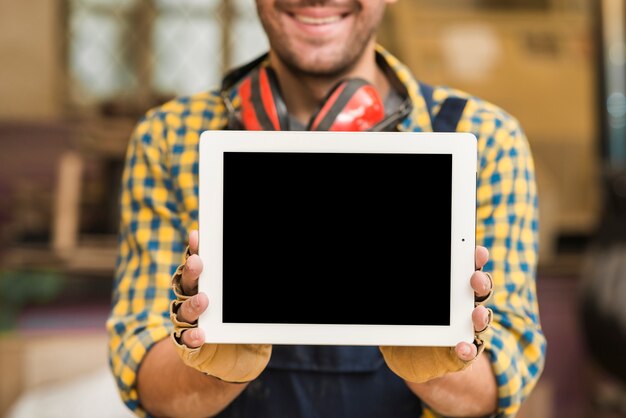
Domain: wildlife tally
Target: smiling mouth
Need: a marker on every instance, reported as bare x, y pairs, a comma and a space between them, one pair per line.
311, 20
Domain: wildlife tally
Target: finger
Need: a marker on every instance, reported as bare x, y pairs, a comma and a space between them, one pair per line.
481, 257
480, 318
191, 309
193, 338
193, 241
481, 283
466, 351
191, 273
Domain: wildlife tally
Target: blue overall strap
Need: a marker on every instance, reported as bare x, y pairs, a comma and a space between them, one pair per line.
450, 112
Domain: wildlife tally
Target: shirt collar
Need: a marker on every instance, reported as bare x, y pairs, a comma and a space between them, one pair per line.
419, 119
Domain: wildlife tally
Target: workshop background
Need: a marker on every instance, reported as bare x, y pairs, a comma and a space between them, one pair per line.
76, 75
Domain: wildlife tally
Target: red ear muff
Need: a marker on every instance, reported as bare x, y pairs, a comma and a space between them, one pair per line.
262, 106
352, 105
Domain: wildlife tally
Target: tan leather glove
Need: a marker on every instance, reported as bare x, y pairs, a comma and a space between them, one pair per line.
236, 363
421, 364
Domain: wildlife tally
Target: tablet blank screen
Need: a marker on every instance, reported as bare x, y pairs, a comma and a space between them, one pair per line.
333, 238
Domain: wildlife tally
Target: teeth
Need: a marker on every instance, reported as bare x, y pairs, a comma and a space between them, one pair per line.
318, 20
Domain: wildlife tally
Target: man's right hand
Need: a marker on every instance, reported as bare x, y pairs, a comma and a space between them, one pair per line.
192, 308
228, 362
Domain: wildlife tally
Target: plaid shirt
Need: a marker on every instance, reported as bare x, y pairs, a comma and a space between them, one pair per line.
159, 206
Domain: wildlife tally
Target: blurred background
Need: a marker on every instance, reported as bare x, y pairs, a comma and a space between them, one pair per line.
75, 76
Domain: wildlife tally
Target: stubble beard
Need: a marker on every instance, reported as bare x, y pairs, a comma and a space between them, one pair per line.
321, 65
342, 61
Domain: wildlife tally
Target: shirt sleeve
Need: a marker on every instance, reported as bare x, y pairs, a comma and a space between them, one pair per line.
151, 245
507, 224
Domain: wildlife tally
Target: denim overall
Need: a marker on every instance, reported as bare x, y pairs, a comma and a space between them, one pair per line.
336, 381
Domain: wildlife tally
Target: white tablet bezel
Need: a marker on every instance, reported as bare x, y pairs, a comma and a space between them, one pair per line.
461, 146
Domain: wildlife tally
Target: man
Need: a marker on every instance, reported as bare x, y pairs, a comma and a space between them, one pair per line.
313, 45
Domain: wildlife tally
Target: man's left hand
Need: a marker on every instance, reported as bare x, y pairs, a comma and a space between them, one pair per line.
481, 317
421, 364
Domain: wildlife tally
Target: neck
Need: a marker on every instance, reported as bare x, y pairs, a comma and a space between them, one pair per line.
304, 92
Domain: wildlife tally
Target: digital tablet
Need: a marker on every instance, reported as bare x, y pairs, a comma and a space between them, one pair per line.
337, 237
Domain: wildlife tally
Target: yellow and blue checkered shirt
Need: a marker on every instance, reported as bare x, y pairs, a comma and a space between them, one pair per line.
159, 206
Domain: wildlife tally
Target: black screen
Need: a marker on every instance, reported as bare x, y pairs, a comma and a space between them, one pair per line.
333, 238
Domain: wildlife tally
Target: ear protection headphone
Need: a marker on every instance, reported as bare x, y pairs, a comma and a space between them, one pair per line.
351, 105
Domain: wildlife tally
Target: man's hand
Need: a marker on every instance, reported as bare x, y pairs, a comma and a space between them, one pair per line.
441, 376
481, 317
421, 364
191, 309
229, 362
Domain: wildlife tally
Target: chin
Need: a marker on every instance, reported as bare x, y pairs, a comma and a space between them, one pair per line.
319, 61
322, 68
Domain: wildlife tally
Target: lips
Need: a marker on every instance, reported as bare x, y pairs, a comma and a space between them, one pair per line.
311, 20
317, 13
314, 22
